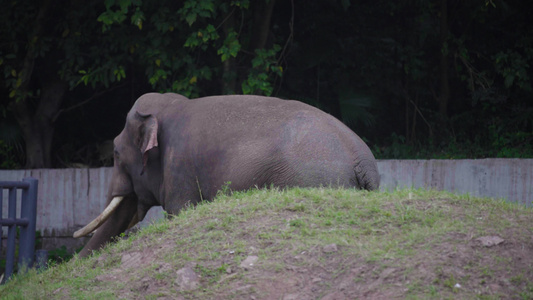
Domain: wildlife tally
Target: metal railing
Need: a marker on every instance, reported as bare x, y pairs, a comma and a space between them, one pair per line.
26, 222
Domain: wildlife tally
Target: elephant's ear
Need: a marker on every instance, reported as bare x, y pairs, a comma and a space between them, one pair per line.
147, 135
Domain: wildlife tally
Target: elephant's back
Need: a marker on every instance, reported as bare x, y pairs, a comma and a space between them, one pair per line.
286, 135
244, 115
239, 107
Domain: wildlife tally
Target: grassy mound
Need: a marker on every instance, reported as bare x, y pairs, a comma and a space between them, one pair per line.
310, 244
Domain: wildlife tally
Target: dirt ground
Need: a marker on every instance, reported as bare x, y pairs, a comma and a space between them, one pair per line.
461, 266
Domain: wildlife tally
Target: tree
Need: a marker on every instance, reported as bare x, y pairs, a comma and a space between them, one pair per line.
18, 62
184, 48
423, 69
46, 45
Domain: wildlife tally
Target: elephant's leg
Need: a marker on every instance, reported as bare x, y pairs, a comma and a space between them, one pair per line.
117, 223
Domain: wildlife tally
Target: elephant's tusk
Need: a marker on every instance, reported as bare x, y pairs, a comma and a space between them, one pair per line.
98, 221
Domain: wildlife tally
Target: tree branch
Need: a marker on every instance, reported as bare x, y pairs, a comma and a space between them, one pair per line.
291, 34
94, 96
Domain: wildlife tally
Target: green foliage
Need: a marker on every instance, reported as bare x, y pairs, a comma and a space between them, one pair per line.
225, 189
264, 67
357, 108
59, 255
493, 143
55, 256
514, 68
202, 37
230, 48
8, 157
193, 10
171, 50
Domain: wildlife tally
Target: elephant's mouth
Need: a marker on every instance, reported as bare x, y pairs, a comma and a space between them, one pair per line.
98, 221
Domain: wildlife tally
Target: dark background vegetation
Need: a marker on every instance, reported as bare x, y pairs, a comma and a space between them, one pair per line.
415, 79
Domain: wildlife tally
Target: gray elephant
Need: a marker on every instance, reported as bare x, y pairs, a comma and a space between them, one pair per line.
174, 150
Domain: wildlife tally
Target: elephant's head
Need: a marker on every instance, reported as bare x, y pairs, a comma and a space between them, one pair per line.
135, 183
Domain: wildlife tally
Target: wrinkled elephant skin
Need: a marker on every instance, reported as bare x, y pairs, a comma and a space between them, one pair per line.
174, 151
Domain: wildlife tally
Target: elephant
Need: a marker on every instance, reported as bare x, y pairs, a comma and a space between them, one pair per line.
175, 151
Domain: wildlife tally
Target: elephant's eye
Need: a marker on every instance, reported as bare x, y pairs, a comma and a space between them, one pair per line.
116, 153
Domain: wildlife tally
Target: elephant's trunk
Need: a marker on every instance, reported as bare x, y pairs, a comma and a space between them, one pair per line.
98, 221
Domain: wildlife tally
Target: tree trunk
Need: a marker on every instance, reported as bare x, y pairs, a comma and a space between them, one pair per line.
262, 15
38, 127
36, 124
444, 97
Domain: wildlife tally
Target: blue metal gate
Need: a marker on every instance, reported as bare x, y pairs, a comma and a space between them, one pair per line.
26, 222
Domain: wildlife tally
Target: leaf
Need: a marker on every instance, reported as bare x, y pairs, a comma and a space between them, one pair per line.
137, 18
12, 94
246, 88
257, 61
509, 79
109, 3
190, 18
345, 4
124, 4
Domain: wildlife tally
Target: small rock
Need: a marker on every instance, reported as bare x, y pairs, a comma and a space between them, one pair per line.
489, 241
495, 288
165, 267
249, 262
187, 279
229, 270
334, 296
291, 268
330, 248
457, 286
243, 288
291, 297
387, 272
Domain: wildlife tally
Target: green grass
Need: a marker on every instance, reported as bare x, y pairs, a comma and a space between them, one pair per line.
427, 238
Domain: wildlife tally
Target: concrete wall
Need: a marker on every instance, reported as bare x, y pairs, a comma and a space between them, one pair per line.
67, 199
70, 198
510, 179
